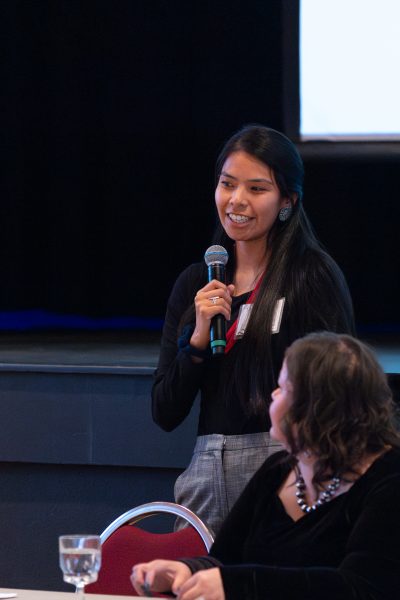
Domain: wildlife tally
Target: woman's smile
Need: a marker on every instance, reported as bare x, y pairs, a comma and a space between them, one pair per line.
247, 197
239, 219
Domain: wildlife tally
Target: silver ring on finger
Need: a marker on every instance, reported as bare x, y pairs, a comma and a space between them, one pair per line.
214, 299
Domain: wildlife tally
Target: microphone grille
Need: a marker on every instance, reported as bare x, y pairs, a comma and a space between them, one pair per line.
216, 254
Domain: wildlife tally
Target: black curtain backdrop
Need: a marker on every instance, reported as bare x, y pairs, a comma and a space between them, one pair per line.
113, 112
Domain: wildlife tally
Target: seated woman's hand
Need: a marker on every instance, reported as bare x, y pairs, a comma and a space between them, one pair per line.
159, 576
206, 585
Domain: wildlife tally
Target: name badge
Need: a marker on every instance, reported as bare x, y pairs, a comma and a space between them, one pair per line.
277, 318
244, 316
243, 319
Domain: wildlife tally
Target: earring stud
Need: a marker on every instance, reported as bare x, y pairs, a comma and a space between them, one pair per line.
285, 213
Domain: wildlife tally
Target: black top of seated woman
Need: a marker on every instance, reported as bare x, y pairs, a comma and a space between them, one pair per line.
347, 549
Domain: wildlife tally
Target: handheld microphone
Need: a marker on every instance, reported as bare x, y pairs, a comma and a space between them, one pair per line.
216, 258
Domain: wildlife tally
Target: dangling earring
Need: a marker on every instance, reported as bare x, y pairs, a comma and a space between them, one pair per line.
285, 213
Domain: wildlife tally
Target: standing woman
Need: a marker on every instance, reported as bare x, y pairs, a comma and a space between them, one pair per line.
278, 275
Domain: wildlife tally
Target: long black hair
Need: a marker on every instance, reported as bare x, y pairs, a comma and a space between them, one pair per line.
294, 254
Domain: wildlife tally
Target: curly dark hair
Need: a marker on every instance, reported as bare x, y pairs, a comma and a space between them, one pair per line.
342, 408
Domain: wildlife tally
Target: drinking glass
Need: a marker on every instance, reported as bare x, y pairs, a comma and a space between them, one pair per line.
80, 559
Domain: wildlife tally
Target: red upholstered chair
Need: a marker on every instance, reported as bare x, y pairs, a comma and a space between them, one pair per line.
124, 544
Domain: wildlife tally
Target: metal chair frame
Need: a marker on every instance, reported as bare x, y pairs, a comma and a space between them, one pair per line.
133, 516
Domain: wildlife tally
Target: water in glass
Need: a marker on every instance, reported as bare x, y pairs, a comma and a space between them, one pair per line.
80, 559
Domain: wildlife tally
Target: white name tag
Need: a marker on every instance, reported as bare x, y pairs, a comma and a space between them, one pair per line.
277, 318
244, 316
243, 319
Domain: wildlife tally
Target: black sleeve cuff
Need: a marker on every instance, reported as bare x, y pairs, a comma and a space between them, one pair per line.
200, 563
185, 347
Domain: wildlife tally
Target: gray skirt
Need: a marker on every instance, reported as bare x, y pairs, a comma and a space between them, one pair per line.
220, 468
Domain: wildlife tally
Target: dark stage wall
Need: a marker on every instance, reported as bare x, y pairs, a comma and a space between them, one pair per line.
113, 114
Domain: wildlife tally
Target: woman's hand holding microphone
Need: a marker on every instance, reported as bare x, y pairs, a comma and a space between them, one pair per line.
213, 299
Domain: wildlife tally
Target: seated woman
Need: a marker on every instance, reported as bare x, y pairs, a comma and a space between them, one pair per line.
322, 519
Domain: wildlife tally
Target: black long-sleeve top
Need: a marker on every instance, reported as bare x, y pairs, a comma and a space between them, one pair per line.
178, 379
347, 549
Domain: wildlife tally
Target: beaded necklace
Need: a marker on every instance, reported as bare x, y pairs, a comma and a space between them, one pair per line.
324, 496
